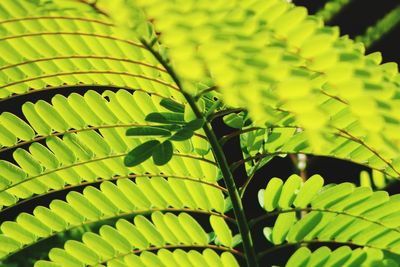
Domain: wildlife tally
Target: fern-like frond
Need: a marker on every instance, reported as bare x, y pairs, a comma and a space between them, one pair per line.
343, 256
280, 140
84, 155
49, 48
163, 258
111, 201
334, 213
131, 243
166, 231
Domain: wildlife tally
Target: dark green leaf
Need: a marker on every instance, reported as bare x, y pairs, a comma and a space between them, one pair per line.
140, 153
170, 127
194, 125
182, 135
172, 105
163, 153
147, 130
165, 117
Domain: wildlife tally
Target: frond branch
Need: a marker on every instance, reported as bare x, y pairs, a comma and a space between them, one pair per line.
355, 139
81, 57
55, 17
115, 178
92, 72
73, 33
285, 245
170, 247
94, 160
79, 86
271, 214
126, 214
39, 138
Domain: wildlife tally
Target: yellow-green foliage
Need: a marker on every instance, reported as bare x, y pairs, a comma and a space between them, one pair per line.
306, 90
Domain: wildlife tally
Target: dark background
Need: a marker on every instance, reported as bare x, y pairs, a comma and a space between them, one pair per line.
353, 20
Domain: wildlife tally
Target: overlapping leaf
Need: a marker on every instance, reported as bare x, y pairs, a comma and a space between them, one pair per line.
336, 213
261, 143
53, 45
82, 154
129, 244
126, 197
342, 256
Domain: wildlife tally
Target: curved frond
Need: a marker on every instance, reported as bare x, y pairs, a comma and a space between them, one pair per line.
111, 201
334, 213
342, 256
84, 155
131, 243
266, 143
62, 47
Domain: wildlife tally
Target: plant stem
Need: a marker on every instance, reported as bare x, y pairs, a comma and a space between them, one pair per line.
249, 252
243, 226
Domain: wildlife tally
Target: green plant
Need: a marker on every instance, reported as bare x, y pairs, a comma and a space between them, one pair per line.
288, 84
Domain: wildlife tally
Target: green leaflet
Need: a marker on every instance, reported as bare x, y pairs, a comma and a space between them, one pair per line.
27, 162
9, 244
172, 105
132, 234
148, 230
96, 197
162, 154
221, 230
81, 252
146, 131
17, 126
287, 195
182, 135
194, 125
50, 218
61, 257
188, 130
272, 194
114, 238
310, 188
340, 256
83, 206
51, 116
166, 230
98, 244
141, 153
303, 227
165, 117
192, 227
282, 226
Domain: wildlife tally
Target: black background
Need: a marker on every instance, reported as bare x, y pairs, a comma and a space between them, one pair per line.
353, 20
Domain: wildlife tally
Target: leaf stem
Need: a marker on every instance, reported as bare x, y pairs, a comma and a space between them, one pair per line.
230, 185
220, 158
